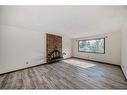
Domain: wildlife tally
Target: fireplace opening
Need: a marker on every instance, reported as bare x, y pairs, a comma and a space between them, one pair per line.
54, 55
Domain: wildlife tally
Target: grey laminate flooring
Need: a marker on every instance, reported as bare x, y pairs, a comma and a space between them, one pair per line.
67, 74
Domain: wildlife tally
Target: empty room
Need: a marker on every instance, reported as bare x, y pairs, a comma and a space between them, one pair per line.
63, 47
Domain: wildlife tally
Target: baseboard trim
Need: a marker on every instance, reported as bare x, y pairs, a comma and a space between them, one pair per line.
47, 63
96, 61
21, 69
123, 73
62, 59
103, 63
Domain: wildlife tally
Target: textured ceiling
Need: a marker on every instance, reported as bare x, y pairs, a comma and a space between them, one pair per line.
73, 21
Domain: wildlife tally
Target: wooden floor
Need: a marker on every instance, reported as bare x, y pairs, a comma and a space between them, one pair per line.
67, 74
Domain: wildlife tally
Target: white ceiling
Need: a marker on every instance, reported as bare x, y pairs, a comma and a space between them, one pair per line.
73, 21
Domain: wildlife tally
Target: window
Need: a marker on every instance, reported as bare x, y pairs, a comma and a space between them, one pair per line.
92, 46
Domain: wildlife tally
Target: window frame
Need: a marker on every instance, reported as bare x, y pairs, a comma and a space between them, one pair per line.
92, 52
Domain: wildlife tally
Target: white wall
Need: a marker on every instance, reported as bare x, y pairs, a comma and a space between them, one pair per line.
67, 46
124, 50
112, 49
17, 46
73, 21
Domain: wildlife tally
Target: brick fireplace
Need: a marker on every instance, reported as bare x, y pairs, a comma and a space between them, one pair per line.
54, 47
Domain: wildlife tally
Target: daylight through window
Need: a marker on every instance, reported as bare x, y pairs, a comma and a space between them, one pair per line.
92, 46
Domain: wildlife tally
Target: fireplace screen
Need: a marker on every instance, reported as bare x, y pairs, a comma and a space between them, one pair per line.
54, 55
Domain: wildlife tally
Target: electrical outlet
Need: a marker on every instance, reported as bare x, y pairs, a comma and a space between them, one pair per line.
27, 62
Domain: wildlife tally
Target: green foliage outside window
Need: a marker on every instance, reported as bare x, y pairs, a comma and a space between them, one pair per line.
92, 46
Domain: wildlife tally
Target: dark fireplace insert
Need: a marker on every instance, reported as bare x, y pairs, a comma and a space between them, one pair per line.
54, 56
